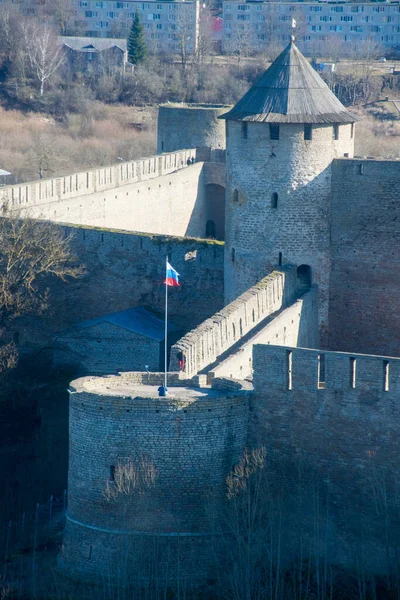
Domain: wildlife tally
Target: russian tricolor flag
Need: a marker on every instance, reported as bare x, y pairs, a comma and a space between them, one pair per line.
171, 277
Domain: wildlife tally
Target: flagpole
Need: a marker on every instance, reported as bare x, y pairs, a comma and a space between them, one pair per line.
166, 325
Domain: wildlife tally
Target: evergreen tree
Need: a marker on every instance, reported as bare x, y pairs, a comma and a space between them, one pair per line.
137, 49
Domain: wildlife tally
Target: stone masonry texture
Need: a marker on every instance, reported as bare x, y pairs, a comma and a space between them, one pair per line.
297, 230
190, 126
191, 438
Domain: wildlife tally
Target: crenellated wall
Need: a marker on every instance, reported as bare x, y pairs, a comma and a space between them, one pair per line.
333, 417
296, 325
216, 335
156, 195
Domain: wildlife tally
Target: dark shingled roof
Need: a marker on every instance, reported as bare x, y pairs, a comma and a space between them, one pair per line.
290, 91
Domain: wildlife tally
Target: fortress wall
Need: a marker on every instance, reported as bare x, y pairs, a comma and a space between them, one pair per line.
35, 193
341, 429
172, 204
127, 269
296, 325
365, 242
189, 441
208, 341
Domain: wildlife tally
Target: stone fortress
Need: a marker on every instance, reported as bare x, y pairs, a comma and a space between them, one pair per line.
292, 328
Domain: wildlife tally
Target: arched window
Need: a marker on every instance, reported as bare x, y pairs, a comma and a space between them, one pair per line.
234, 331
235, 196
240, 327
304, 277
210, 229
253, 314
274, 200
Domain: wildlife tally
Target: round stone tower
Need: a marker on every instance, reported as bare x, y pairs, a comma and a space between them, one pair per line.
190, 126
146, 480
282, 137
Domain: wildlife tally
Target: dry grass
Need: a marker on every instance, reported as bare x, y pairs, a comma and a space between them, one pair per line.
99, 137
377, 134
28, 140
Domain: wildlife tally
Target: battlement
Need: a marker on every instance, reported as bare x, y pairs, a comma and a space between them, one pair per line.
291, 370
203, 345
91, 181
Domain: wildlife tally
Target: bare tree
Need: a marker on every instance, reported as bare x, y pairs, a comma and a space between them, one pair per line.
44, 52
31, 252
61, 12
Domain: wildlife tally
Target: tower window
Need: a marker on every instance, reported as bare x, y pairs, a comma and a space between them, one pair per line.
352, 131
336, 132
308, 132
112, 473
233, 254
244, 130
274, 131
274, 200
280, 259
235, 196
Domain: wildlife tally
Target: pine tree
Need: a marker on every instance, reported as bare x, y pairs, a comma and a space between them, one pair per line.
137, 49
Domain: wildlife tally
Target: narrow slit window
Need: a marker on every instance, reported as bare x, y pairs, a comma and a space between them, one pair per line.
112, 473
352, 131
235, 196
361, 169
336, 132
308, 132
280, 259
321, 371
385, 375
353, 372
233, 254
244, 130
274, 200
234, 331
274, 131
289, 364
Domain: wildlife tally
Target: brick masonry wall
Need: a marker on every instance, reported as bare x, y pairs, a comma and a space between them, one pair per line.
191, 440
190, 126
216, 335
296, 325
299, 172
125, 270
365, 288
344, 430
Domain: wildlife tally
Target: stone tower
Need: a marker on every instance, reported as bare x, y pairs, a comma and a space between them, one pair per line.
157, 519
281, 138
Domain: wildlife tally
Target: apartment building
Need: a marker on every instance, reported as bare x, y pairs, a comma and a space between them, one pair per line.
347, 28
168, 26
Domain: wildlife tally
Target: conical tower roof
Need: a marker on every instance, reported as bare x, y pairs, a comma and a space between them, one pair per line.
290, 91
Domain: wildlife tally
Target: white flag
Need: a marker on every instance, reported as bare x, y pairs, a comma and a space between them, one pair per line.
294, 23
